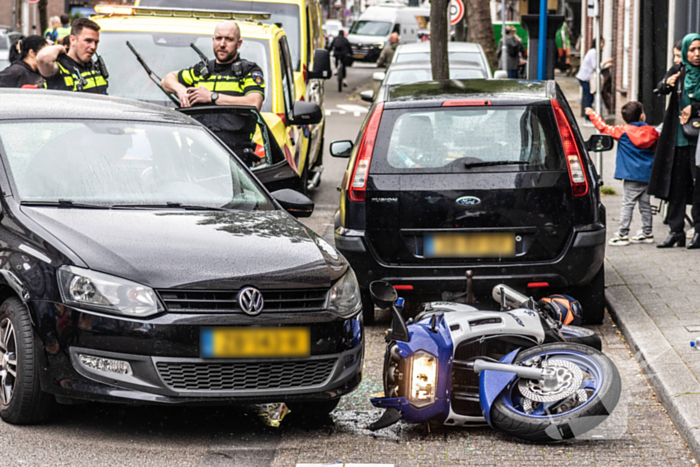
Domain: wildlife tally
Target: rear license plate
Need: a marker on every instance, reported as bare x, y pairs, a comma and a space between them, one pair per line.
254, 342
357, 56
469, 245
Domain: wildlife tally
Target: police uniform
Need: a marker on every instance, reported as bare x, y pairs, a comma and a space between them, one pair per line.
237, 79
67, 78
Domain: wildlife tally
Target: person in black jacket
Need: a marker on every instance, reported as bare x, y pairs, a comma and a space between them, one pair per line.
343, 52
673, 176
24, 71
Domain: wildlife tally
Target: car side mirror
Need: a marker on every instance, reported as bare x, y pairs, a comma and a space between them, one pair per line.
294, 202
341, 148
600, 143
322, 65
500, 74
378, 76
367, 96
306, 113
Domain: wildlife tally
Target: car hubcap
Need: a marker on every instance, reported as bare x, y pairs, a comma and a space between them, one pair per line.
8, 361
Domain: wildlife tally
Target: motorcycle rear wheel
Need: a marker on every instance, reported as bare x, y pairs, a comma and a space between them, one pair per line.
550, 422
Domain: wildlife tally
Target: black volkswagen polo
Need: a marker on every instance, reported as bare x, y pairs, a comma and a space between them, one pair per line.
142, 262
484, 175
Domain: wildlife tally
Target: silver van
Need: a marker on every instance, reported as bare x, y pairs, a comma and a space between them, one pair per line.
370, 33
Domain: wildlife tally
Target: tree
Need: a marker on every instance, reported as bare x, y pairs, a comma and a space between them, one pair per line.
439, 24
43, 17
480, 29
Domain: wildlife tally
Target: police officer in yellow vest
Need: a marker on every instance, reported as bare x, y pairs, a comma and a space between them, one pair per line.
74, 70
231, 81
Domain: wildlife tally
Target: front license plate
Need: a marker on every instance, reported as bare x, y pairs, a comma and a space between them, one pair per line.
469, 245
359, 57
254, 342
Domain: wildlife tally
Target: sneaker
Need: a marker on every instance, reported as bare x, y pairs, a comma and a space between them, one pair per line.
690, 233
641, 237
617, 240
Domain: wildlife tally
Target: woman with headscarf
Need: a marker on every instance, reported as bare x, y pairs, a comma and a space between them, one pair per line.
673, 176
24, 70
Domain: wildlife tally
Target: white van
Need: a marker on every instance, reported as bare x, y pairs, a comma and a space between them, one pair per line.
370, 33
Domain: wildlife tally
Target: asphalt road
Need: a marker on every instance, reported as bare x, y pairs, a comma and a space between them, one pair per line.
638, 433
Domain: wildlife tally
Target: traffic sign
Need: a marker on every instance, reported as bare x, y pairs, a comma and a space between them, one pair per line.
456, 11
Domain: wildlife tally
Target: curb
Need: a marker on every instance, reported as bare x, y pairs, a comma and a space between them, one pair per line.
675, 385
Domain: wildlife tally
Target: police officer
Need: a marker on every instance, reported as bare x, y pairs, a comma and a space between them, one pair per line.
231, 81
75, 70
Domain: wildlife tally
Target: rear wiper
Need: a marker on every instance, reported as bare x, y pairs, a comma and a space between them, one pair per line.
188, 207
488, 163
64, 203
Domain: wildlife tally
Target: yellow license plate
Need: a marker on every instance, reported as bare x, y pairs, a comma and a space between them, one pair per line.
469, 245
254, 342
359, 57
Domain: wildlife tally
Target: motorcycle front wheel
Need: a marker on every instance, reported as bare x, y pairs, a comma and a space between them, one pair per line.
532, 411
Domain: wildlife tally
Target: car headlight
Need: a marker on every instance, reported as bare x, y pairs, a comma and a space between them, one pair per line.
102, 292
423, 379
344, 296
379, 45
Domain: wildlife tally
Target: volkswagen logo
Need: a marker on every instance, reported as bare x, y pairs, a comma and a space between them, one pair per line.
468, 201
251, 301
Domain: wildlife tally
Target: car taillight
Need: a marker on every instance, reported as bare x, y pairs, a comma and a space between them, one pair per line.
463, 103
572, 153
358, 181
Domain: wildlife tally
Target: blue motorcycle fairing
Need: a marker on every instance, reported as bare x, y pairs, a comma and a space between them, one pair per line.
439, 344
491, 385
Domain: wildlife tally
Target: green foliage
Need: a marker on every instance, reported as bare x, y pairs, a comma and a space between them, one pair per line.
607, 190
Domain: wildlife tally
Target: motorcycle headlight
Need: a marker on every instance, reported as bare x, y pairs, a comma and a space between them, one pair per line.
102, 292
423, 379
344, 296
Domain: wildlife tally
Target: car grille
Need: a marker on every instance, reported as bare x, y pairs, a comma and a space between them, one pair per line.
225, 301
244, 376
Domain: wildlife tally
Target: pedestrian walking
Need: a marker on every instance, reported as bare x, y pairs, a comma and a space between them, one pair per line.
51, 34
387, 54
635, 156
673, 176
24, 71
513, 50
74, 69
585, 73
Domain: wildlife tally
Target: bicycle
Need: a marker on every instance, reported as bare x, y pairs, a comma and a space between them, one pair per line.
340, 72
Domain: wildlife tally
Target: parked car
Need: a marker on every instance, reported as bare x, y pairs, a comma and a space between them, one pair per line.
457, 52
414, 72
143, 263
491, 176
8, 35
370, 33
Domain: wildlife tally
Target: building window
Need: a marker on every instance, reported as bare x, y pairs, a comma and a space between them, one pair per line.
626, 49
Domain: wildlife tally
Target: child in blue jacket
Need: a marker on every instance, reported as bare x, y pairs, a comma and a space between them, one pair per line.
635, 156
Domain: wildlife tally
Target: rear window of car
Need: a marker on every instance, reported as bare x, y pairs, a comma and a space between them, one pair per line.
465, 139
415, 75
425, 56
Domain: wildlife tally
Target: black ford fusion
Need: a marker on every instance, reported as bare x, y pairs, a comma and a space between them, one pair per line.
141, 262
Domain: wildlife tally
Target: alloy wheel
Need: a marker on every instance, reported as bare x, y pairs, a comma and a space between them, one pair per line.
8, 361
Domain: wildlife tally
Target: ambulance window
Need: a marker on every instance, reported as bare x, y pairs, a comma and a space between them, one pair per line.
287, 77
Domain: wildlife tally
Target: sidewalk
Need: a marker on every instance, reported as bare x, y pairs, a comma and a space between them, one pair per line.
654, 296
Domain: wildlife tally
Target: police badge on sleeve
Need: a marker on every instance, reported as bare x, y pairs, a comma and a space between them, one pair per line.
258, 78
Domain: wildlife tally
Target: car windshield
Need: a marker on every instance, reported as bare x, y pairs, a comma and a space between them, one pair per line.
285, 14
460, 139
371, 28
108, 163
164, 52
425, 57
415, 75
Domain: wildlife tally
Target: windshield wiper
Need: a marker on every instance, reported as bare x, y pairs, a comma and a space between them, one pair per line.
489, 163
64, 203
168, 205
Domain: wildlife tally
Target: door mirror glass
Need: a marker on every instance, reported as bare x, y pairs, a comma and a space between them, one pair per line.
322, 65
341, 148
294, 202
378, 76
600, 143
306, 113
367, 96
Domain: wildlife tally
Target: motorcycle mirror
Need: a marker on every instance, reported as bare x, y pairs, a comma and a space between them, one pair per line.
383, 294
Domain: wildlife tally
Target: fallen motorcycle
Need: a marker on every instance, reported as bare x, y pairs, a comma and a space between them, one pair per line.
519, 369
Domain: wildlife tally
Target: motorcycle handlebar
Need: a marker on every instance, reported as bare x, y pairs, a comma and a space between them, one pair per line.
508, 297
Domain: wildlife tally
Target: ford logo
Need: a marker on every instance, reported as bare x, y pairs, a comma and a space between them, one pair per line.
468, 200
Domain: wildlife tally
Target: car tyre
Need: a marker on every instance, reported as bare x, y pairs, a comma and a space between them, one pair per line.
367, 307
592, 298
22, 402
